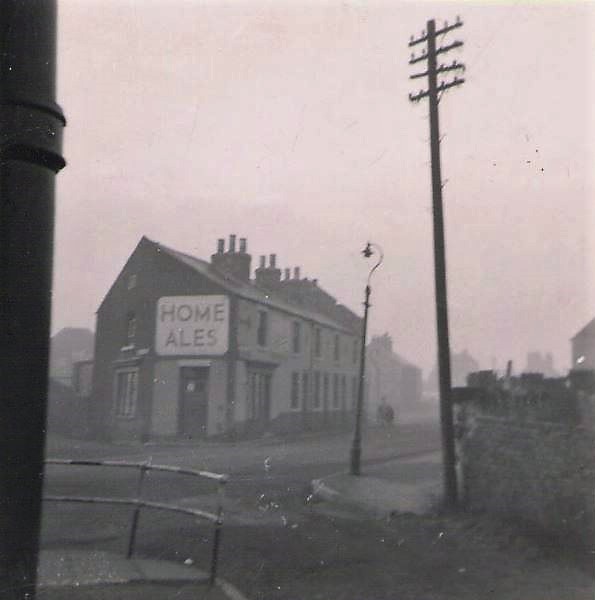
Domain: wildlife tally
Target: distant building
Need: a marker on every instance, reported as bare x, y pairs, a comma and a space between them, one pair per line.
538, 363
68, 346
583, 347
391, 379
190, 348
461, 364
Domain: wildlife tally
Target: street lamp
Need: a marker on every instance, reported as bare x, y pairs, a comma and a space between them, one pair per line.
356, 448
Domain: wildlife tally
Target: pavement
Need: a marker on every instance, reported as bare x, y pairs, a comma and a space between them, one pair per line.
401, 485
88, 572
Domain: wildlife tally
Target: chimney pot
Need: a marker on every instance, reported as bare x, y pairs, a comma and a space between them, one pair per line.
263, 260
296, 272
272, 261
232, 243
220, 245
243, 245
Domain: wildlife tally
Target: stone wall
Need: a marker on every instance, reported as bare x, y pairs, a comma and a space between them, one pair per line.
526, 450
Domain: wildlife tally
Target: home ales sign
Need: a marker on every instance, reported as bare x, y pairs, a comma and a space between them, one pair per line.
192, 325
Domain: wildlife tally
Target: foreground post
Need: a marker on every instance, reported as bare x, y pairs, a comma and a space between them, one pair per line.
30, 156
432, 72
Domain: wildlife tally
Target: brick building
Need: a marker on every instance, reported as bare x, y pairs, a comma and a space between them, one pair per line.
190, 348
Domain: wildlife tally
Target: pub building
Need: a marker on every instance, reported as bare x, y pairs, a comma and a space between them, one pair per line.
187, 348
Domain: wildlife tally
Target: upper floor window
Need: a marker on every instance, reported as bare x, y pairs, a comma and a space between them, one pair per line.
355, 349
317, 342
132, 280
130, 328
337, 348
263, 328
296, 344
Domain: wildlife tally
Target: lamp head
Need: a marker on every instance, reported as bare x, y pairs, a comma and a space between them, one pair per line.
367, 251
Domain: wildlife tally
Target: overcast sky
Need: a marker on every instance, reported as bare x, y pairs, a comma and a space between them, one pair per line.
287, 122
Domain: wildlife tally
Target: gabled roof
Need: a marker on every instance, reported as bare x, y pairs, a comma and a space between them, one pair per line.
250, 291
589, 327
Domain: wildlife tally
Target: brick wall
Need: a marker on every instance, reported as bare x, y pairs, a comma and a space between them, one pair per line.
526, 450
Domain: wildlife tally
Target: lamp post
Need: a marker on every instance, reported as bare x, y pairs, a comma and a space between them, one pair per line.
356, 448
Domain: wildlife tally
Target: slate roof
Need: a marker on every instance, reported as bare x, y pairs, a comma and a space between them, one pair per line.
588, 328
250, 291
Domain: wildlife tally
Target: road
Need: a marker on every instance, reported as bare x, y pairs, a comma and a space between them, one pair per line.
274, 536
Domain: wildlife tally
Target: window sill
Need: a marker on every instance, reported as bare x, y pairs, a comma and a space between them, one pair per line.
127, 348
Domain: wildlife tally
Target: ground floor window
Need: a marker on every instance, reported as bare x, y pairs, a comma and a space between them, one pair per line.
335, 391
126, 391
259, 393
295, 391
316, 395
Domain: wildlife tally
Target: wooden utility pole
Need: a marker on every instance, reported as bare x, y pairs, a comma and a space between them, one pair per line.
429, 55
30, 155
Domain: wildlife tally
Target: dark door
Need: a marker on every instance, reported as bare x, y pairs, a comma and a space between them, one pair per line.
194, 402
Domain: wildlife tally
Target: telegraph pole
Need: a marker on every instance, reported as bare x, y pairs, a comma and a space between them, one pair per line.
434, 92
30, 156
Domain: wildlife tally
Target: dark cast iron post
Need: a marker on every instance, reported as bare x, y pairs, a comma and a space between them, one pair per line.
356, 448
30, 155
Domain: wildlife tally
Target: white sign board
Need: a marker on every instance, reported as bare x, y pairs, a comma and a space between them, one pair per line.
192, 325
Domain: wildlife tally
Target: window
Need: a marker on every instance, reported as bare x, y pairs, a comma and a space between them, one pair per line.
316, 396
305, 389
317, 342
325, 385
337, 352
295, 391
355, 351
335, 391
258, 396
263, 326
296, 337
343, 392
354, 391
130, 328
132, 281
126, 393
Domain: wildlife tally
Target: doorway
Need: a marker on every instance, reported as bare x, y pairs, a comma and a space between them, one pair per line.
194, 402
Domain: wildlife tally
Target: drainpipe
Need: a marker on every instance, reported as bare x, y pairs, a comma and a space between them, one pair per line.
30, 156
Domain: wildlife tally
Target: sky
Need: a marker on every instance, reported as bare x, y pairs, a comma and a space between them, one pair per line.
288, 122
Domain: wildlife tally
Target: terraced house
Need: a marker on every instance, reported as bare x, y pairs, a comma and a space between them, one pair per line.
192, 348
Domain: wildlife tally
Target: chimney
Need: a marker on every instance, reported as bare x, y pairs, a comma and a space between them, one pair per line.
232, 263
287, 274
296, 272
268, 277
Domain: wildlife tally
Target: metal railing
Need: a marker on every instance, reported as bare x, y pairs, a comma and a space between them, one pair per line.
214, 517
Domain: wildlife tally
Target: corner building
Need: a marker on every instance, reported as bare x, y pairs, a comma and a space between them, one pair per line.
187, 348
